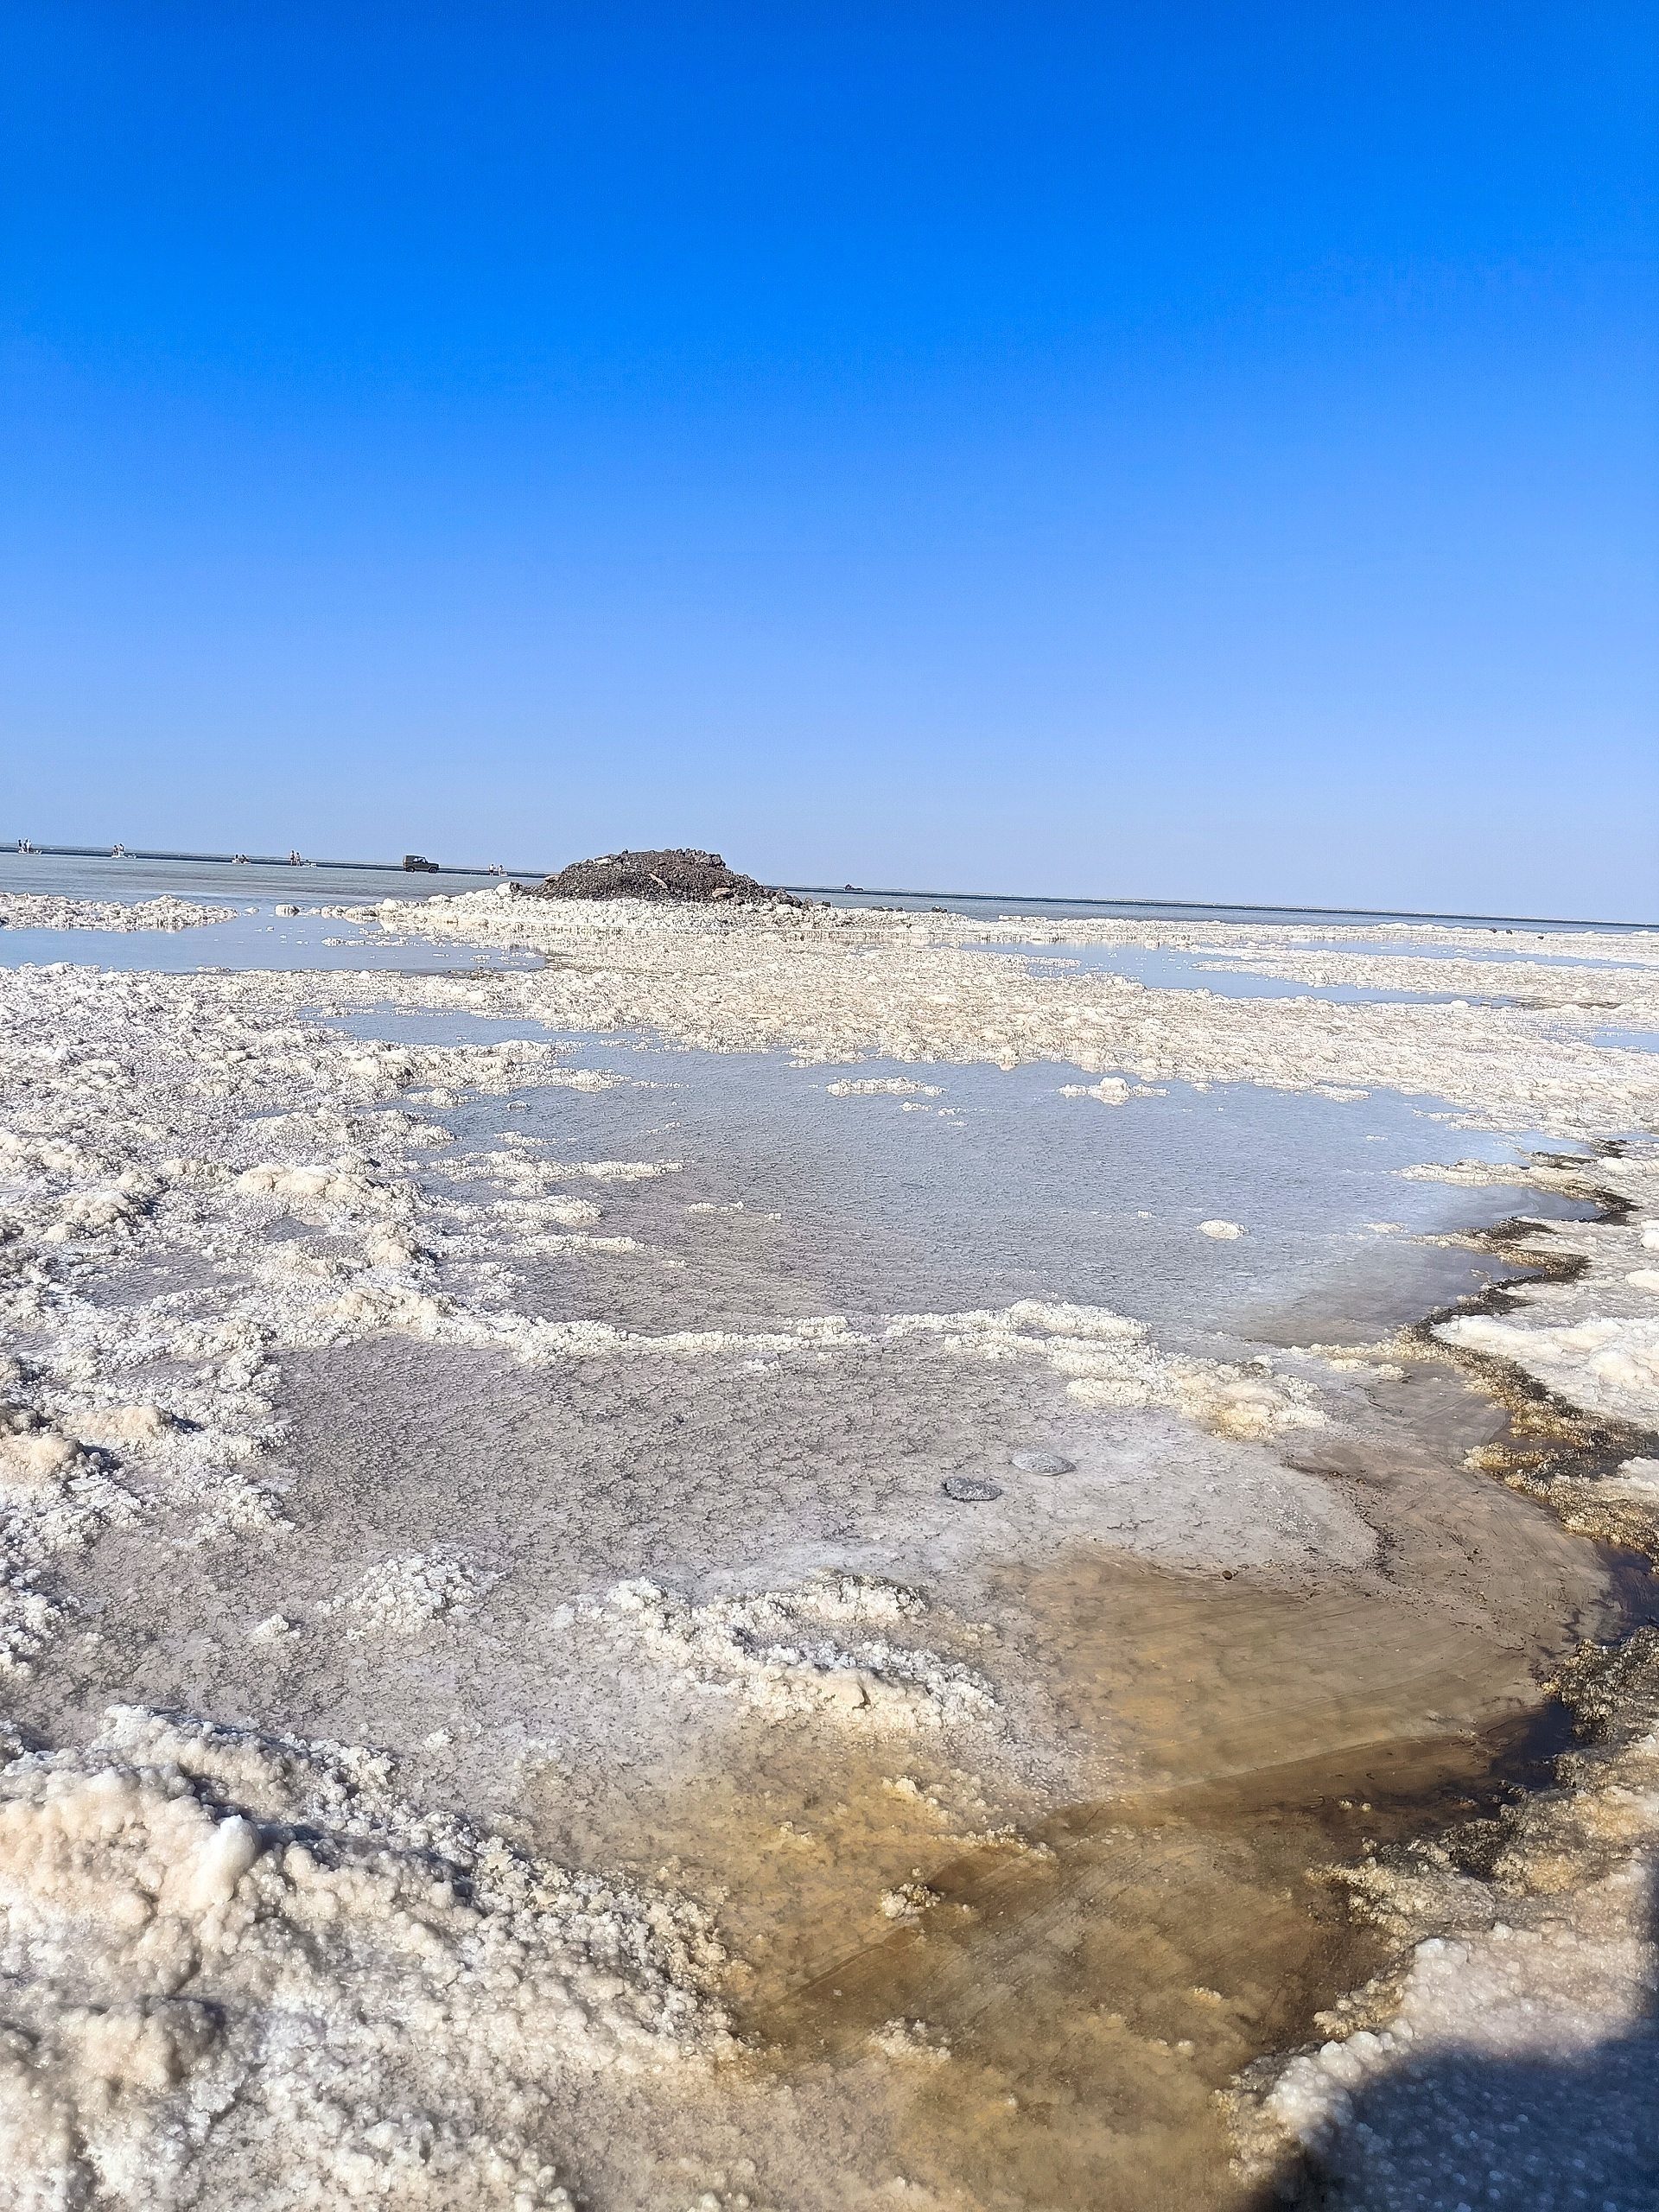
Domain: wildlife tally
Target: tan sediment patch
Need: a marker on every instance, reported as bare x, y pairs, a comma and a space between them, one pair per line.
1096, 1989
1040, 2011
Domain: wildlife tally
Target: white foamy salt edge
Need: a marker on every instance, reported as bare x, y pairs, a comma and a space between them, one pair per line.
842, 984
246, 1971
29, 910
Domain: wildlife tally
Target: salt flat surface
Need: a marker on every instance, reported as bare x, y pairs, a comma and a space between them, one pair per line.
153, 937
444, 1409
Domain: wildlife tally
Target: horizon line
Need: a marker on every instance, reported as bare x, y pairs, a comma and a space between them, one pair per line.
499, 874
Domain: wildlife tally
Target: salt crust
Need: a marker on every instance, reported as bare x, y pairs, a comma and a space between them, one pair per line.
1577, 990
1109, 1361
86, 1178
400, 1597
883, 1086
1553, 1954
29, 910
170, 2013
247, 1967
1594, 1339
788, 1652
144, 1125
838, 984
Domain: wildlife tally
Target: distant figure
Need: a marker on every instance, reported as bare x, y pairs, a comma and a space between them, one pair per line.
238, 859
118, 852
294, 861
418, 866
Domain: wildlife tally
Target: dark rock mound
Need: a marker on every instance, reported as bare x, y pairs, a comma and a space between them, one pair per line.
682, 876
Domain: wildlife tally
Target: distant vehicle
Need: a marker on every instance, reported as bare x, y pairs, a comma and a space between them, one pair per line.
418, 866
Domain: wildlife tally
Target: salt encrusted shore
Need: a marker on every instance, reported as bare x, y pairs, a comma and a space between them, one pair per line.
185, 1902
29, 910
1509, 2052
838, 984
181, 1899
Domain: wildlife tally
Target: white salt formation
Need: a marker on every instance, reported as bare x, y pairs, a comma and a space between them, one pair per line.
837, 984
245, 1972
882, 1087
29, 910
402, 1596
1592, 1339
792, 1651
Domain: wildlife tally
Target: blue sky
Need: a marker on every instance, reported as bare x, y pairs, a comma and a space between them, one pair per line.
1180, 451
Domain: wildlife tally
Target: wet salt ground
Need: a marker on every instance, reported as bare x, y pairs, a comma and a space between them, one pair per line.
997, 1188
1162, 968
256, 939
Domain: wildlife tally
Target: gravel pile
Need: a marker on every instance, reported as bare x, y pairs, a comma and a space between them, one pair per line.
683, 874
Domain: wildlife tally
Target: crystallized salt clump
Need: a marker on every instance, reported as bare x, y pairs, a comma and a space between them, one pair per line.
884, 1087
779, 1652
242, 1972
402, 1596
909, 2039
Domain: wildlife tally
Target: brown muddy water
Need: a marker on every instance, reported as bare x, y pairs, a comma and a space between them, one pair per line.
1038, 2019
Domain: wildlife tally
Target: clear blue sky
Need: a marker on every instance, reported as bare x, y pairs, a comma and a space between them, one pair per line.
1173, 450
